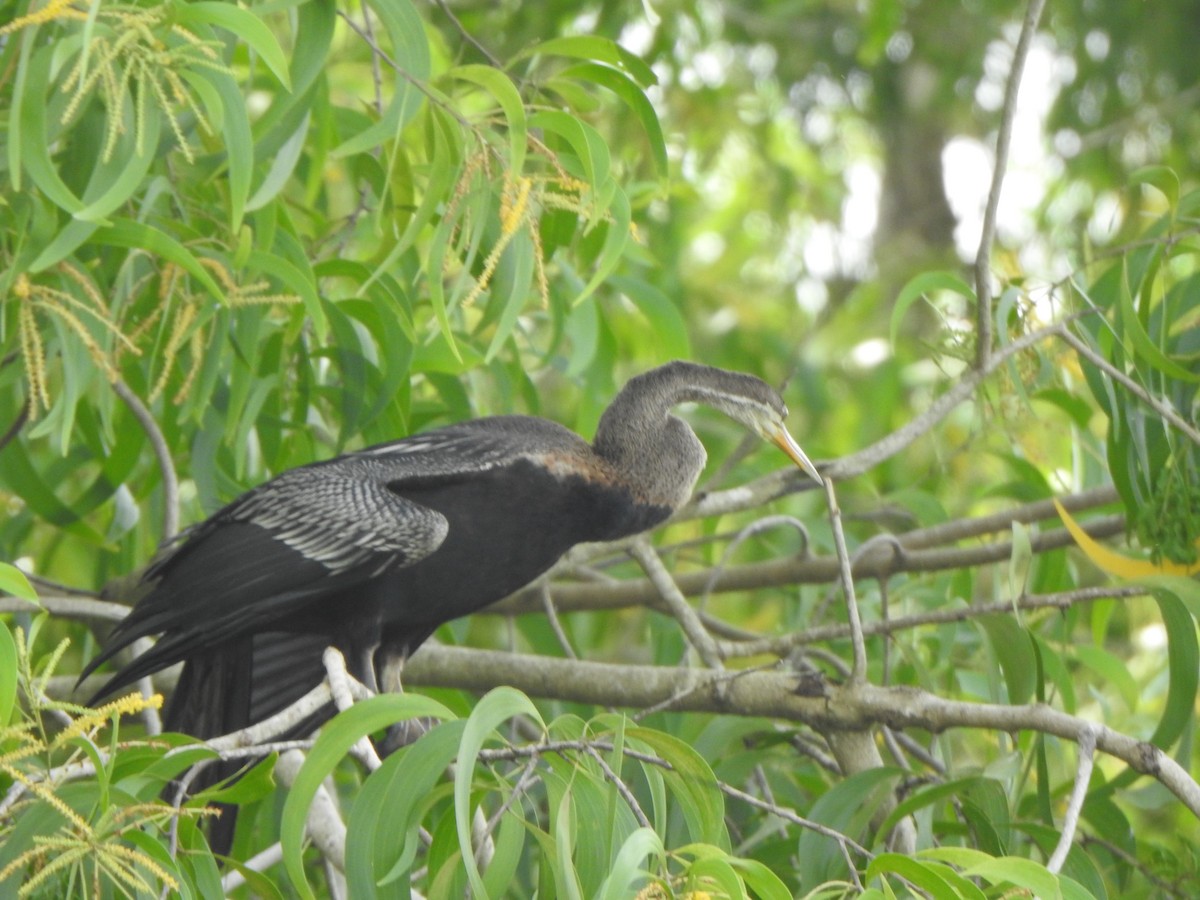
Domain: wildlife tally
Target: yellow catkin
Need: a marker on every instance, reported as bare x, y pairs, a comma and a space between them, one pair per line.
539, 264
142, 859
45, 792
223, 274
95, 351
183, 320
55, 9
61, 861
101, 715
514, 203
196, 345
33, 354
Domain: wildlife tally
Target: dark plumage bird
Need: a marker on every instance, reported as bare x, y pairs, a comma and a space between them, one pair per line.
373, 550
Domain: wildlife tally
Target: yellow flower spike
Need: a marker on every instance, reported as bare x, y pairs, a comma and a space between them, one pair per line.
130, 703
55, 9
1116, 563
512, 217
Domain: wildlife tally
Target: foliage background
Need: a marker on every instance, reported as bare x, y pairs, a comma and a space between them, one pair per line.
282, 230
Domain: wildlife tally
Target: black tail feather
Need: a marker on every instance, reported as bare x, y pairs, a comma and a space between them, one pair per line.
212, 698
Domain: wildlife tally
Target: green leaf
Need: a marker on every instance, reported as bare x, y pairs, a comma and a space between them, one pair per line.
594, 48
501, 87
114, 182
1024, 873
283, 164
986, 790
1110, 670
1143, 344
665, 318
31, 130
627, 870
497, 706
929, 876
14, 582
692, 784
8, 665
584, 141
383, 830
509, 844
244, 25
239, 142
847, 807
764, 883
337, 737
1076, 407
1183, 660
1019, 563
1161, 177
1010, 642
27, 482
511, 288
300, 280
634, 97
615, 241
918, 287
316, 22
139, 236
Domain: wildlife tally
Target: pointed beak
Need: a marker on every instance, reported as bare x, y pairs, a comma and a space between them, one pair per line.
778, 435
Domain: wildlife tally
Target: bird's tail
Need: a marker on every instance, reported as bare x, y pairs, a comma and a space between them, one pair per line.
212, 698
229, 688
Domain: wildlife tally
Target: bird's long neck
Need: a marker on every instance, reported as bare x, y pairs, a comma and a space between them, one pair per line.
655, 452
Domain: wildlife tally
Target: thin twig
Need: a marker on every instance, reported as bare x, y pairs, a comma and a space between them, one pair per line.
756, 527
16, 425
1161, 408
843, 841
162, 452
467, 36
621, 786
983, 259
1083, 777
575, 597
555, 623
376, 72
560, 747
406, 75
644, 552
859, 672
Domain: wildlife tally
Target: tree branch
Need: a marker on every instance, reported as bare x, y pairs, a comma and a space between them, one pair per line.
773, 694
1083, 776
859, 672
162, 452
983, 259
881, 561
670, 596
1160, 408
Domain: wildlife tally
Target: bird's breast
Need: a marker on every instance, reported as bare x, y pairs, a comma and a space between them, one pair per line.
509, 525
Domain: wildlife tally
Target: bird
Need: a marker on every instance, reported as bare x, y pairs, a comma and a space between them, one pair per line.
372, 551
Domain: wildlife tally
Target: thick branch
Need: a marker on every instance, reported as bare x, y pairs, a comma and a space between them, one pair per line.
773, 694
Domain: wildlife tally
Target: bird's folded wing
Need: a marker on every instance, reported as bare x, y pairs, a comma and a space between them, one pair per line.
269, 555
